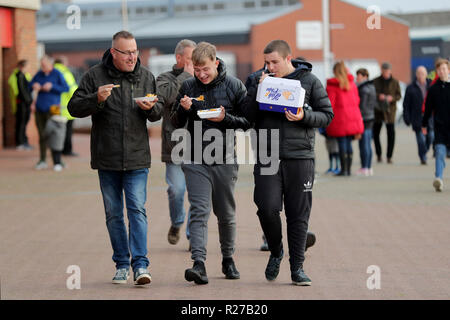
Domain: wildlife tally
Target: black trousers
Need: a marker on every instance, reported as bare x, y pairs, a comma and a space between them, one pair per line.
291, 185
68, 139
22, 118
390, 128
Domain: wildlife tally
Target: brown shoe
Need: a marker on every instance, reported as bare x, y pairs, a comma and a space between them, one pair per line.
389, 160
174, 235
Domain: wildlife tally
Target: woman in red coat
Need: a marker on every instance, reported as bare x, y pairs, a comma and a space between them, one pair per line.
347, 122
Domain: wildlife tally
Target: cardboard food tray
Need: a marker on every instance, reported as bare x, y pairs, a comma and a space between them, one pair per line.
280, 95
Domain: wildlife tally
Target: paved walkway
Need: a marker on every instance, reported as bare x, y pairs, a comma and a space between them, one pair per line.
394, 221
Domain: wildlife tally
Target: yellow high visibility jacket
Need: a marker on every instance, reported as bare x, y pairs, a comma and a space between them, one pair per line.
14, 89
65, 96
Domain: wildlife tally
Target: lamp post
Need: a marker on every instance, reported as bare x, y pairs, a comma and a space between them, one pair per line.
327, 56
124, 15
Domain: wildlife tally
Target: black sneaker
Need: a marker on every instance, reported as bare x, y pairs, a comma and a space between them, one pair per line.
197, 273
173, 236
264, 246
229, 269
273, 266
310, 240
299, 278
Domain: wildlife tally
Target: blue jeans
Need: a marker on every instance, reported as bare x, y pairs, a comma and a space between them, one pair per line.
133, 183
424, 143
365, 149
345, 144
440, 153
176, 190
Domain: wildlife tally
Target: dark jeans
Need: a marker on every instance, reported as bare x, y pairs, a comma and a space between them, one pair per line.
41, 121
292, 184
365, 149
390, 128
424, 142
68, 139
345, 145
22, 118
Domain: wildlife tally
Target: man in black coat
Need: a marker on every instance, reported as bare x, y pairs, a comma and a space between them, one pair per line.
437, 105
412, 112
23, 107
120, 147
210, 168
293, 177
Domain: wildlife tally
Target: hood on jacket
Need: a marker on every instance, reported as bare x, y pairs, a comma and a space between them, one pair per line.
107, 62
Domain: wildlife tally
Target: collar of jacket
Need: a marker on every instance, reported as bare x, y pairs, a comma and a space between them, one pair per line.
177, 71
300, 67
107, 63
222, 72
365, 83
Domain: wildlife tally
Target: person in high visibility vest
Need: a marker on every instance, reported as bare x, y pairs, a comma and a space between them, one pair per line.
20, 96
61, 65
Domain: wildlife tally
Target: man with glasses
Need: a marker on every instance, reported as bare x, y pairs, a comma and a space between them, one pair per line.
120, 147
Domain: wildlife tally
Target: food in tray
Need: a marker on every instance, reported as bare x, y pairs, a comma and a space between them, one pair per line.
209, 113
149, 97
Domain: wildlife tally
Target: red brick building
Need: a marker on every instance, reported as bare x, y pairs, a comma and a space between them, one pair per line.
17, 42
240, 27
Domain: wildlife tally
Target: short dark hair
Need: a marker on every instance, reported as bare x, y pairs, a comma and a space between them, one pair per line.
123, 34
363, 71
280, 46
22, 63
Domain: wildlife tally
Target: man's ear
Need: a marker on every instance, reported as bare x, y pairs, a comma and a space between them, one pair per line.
217, 62
178, 58
289, 58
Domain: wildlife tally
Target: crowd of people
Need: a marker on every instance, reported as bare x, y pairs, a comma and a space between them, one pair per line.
46, 94
361, 107
348, 108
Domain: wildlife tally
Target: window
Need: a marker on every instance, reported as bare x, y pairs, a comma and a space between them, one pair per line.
97, 13
219, 6
265, 3
249, 4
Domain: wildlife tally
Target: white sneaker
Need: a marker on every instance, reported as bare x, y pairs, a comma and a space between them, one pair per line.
57, 167
41, 165
438, 184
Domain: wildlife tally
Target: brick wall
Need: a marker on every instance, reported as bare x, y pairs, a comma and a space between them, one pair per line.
24, 47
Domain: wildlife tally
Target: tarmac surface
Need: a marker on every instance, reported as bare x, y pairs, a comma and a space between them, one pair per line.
380, 237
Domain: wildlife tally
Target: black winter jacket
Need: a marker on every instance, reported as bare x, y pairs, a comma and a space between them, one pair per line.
438, 106
412, 105
225, 91
296, 139
119, 136
368, 101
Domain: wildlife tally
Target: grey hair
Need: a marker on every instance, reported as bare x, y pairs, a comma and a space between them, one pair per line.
183, 44
48, 58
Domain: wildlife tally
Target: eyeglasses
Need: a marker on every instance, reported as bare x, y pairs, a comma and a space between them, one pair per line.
128, 53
